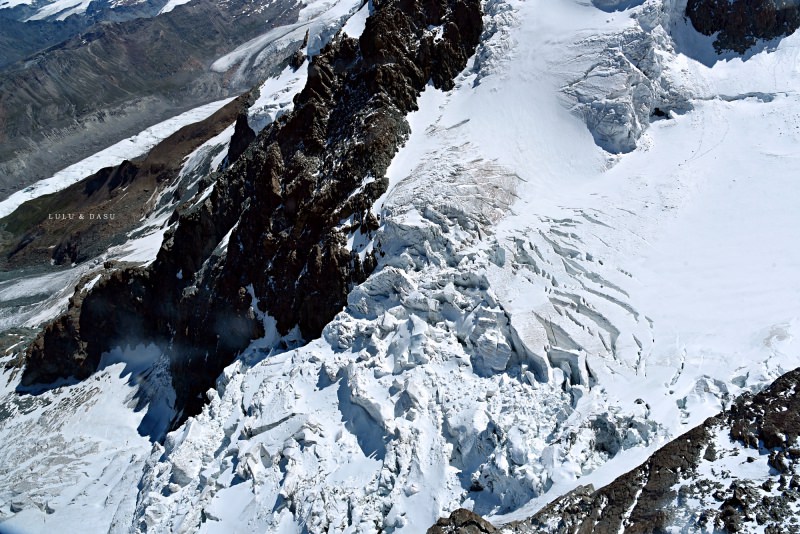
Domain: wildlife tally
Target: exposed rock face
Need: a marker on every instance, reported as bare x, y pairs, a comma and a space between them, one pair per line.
737, 472
243, 135
271, 236
299, 57
462, 521
741, 22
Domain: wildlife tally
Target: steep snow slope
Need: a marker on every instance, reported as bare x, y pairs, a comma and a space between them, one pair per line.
544, 312
86, 457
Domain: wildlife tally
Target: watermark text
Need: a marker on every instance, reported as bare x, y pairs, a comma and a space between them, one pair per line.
81, 216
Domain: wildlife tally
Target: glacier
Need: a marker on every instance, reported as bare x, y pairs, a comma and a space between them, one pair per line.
566, 280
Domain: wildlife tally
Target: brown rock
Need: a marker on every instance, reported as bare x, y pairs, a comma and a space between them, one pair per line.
462, 521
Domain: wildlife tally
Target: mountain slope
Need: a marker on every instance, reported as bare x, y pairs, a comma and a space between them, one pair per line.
436, 386
96, 434
736, 472
477, 266
305, 195
81, 221
115, 79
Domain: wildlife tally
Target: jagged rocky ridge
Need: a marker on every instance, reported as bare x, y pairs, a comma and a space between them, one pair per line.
741, 23
265, 248
737, 472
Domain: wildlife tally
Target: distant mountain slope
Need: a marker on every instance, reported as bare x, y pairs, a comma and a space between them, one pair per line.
31, 237
29, 28
115, 79
19, 39
60, 10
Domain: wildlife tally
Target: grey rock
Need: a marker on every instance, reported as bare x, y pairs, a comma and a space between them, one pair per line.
741, 23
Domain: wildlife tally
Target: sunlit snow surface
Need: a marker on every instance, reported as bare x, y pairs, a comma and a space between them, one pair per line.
71, 456
545, 313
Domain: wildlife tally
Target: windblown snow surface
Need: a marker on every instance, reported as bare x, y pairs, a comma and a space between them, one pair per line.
567, 280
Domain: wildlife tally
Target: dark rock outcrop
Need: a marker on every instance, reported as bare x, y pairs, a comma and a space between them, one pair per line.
243, 135
741, 23
299, 56
286, 206
462, 521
